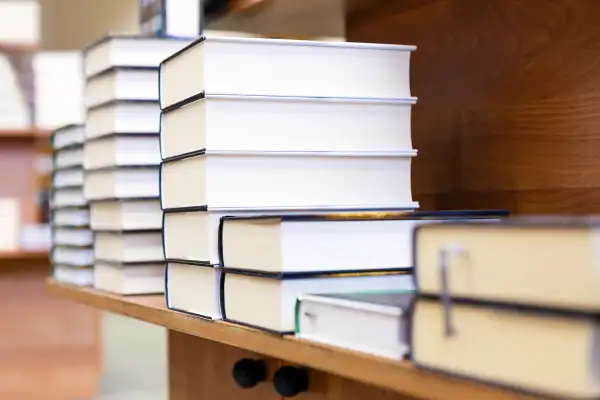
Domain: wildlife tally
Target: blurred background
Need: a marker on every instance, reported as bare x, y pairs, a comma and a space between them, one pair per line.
52, 349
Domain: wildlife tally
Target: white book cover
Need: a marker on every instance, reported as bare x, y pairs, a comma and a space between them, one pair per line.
288, 180
281, 67
275, 123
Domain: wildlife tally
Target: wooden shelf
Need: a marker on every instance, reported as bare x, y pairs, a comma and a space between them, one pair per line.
24, 134
19, 255
400, 377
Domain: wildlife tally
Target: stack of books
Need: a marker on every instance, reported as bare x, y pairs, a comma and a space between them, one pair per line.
71, 255
121, 159
513, 303
277, 127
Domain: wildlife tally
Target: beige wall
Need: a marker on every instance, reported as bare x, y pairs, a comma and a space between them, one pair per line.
291, 18
73, 24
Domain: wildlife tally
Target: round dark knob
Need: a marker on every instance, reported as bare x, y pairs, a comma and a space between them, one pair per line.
290, 381
248, 373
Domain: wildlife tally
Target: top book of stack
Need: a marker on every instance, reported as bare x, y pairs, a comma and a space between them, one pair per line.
286, 68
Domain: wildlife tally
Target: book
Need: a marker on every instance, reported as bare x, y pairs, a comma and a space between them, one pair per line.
10, 223
128, 51
80, 276
267, 301
171, 18
129, 278
20, 22
193, 289
68, 157
68, 197
192, 235
122, 84
133, 181
544, 262
58, 72
123, 117
121, 150
67, 135
17, 103
72, 236
374, 322
68, 177
70, 216
126, 214
338, 242
75, 256
551, 354
285, 68
128, 246
276, 123
288, 180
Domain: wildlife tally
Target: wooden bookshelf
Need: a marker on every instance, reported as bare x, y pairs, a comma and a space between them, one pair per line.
366, 375
24, 255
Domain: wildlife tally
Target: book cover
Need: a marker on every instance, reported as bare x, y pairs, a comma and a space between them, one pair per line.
17, 103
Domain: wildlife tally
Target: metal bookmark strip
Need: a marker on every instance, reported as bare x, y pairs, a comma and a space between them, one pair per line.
444, 256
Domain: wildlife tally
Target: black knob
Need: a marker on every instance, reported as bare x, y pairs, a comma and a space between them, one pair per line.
290, 381
248, 373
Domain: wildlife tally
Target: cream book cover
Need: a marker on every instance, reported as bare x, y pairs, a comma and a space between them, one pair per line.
9, 224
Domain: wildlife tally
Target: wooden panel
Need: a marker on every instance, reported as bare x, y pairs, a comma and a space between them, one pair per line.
48, 346
325, 386
201, 369
509, 111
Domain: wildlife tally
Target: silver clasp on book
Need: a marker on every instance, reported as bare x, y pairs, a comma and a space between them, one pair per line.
444, 256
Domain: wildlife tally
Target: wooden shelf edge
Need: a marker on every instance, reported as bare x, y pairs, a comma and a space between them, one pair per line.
396, 376
24, 134
24, 255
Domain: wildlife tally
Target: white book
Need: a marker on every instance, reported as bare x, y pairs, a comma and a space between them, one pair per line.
193, 289
176, 18
71, 255
67, 135
124, 215
59, 87
288, 180
121, 150
193, 235
128, 51
285, 68
271, 123
68, 197
121, 183
373, 322
68, 177
129, 279
70, 236
70, 157
70, 216
20, 21
128, 247
268, 302
73, 275
121, 84
289, 243
10, 223
123, 117
15, 112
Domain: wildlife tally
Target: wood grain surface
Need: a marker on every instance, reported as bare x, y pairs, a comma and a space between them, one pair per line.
509, 107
